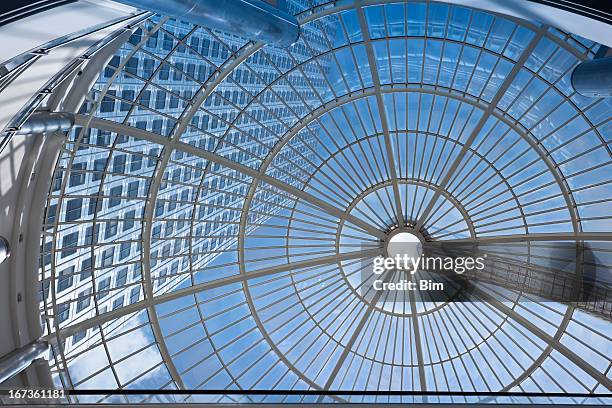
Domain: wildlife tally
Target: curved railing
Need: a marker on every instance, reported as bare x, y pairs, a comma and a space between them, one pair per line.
11, 69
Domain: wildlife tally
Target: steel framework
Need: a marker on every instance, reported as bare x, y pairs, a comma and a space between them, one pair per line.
460, 163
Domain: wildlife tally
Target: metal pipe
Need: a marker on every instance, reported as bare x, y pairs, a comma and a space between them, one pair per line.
4, 249
593, 78
252, 19
46, 122
18, 360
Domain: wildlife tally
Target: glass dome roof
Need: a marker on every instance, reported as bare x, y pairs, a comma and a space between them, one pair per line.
211, 211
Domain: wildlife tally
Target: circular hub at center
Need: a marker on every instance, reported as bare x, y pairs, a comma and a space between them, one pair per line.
404, 244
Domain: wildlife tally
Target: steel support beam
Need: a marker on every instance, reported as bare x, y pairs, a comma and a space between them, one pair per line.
550, 340
382, 112
483, 120
225, 162
168, 296
356, 332
416, 331
553, 236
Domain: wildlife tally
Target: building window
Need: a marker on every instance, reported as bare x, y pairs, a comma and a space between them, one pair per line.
157, 127
145, 99
103, 138
177, 75
51, 212
103, 287
172, 201
160, 100
134, 294
117, 303
115, 193
156, 233
135, 162
159, 208
133, 189
63, 312
174, 102
121, 278
91, 234
78, 336
132, 66
162, 277
167, 42
77, 176
124, 251
108, 102
84, 300
111, 229
164, 72
128, 220
68, 243
136, 272
85, 269
119, 163
107, 257
148, 66
73, 209
99, 165
128, 98
65, 279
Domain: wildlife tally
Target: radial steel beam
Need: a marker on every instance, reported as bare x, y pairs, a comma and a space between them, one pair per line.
441, 91
483, 120
186, 147
356, 332
416, 331
550, 340
382, 112
169, 296
552, 236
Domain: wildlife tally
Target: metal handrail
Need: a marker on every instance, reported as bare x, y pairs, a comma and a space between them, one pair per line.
18, 64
